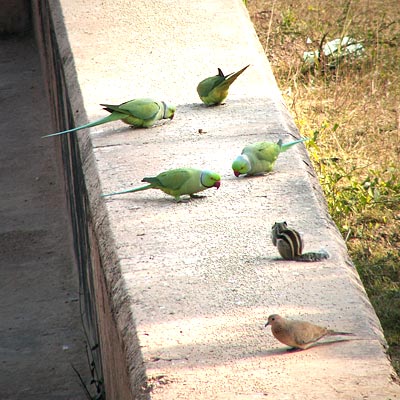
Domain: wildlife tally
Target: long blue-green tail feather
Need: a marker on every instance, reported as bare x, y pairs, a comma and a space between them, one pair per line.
109, 118
137, 189
286, 146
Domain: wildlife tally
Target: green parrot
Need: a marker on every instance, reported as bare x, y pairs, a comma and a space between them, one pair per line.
178, 182
260, 157
214, 90
138, 112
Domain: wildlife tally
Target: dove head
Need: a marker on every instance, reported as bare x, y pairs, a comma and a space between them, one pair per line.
169, 111
241, 165
210, 179
273, 319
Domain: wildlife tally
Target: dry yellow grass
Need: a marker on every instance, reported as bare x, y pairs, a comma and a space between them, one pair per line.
352, 112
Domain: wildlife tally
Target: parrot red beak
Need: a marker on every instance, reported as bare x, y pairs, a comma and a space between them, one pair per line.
237, 173
217, 184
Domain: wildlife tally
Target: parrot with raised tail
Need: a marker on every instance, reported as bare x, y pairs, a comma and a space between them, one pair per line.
141, 113
178, 182
214, 90
260, 157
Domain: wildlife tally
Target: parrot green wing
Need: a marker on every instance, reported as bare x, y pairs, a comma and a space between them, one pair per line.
172, 179
145, 109
262, 155
214, 90
178, 182
265, 151
137, 112
268, 150
207, 85
256, 158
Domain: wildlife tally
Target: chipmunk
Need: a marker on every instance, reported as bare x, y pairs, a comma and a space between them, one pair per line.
290, 244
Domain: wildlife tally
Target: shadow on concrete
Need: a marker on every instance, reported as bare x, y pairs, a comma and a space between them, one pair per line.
41, 335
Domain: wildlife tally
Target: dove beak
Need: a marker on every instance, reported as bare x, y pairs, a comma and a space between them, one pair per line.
266, 324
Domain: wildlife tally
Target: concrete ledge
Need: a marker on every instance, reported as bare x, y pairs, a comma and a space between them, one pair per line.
178, 293
104, 336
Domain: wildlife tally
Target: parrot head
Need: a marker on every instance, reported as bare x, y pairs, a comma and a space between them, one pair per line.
241, 165
210, 179
169, 111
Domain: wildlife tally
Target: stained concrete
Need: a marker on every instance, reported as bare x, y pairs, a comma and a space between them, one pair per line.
15, 17
190, 285
41, 335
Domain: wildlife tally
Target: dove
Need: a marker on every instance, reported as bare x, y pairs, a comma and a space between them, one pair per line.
260, 157
141, 113
178, 182
214, 90
298, 334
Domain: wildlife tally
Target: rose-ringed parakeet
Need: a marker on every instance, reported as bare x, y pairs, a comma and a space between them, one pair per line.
260, 157
138, 112
214, 90
178, 182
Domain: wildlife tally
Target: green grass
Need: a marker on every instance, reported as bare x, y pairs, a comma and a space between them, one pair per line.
350, 108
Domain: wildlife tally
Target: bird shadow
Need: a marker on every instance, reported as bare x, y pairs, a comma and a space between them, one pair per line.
259, 175
282, 351
159, 200
203, 106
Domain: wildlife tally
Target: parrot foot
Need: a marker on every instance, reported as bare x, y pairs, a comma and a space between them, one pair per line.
184, 200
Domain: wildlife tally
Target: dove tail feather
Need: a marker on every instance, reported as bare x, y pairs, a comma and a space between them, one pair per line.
334, 333
137, 189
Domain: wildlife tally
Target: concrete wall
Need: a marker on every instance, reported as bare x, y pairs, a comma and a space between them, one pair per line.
15, 16
108, 354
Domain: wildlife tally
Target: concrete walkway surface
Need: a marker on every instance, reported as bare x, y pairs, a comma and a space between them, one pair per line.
40, 326
191, 285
